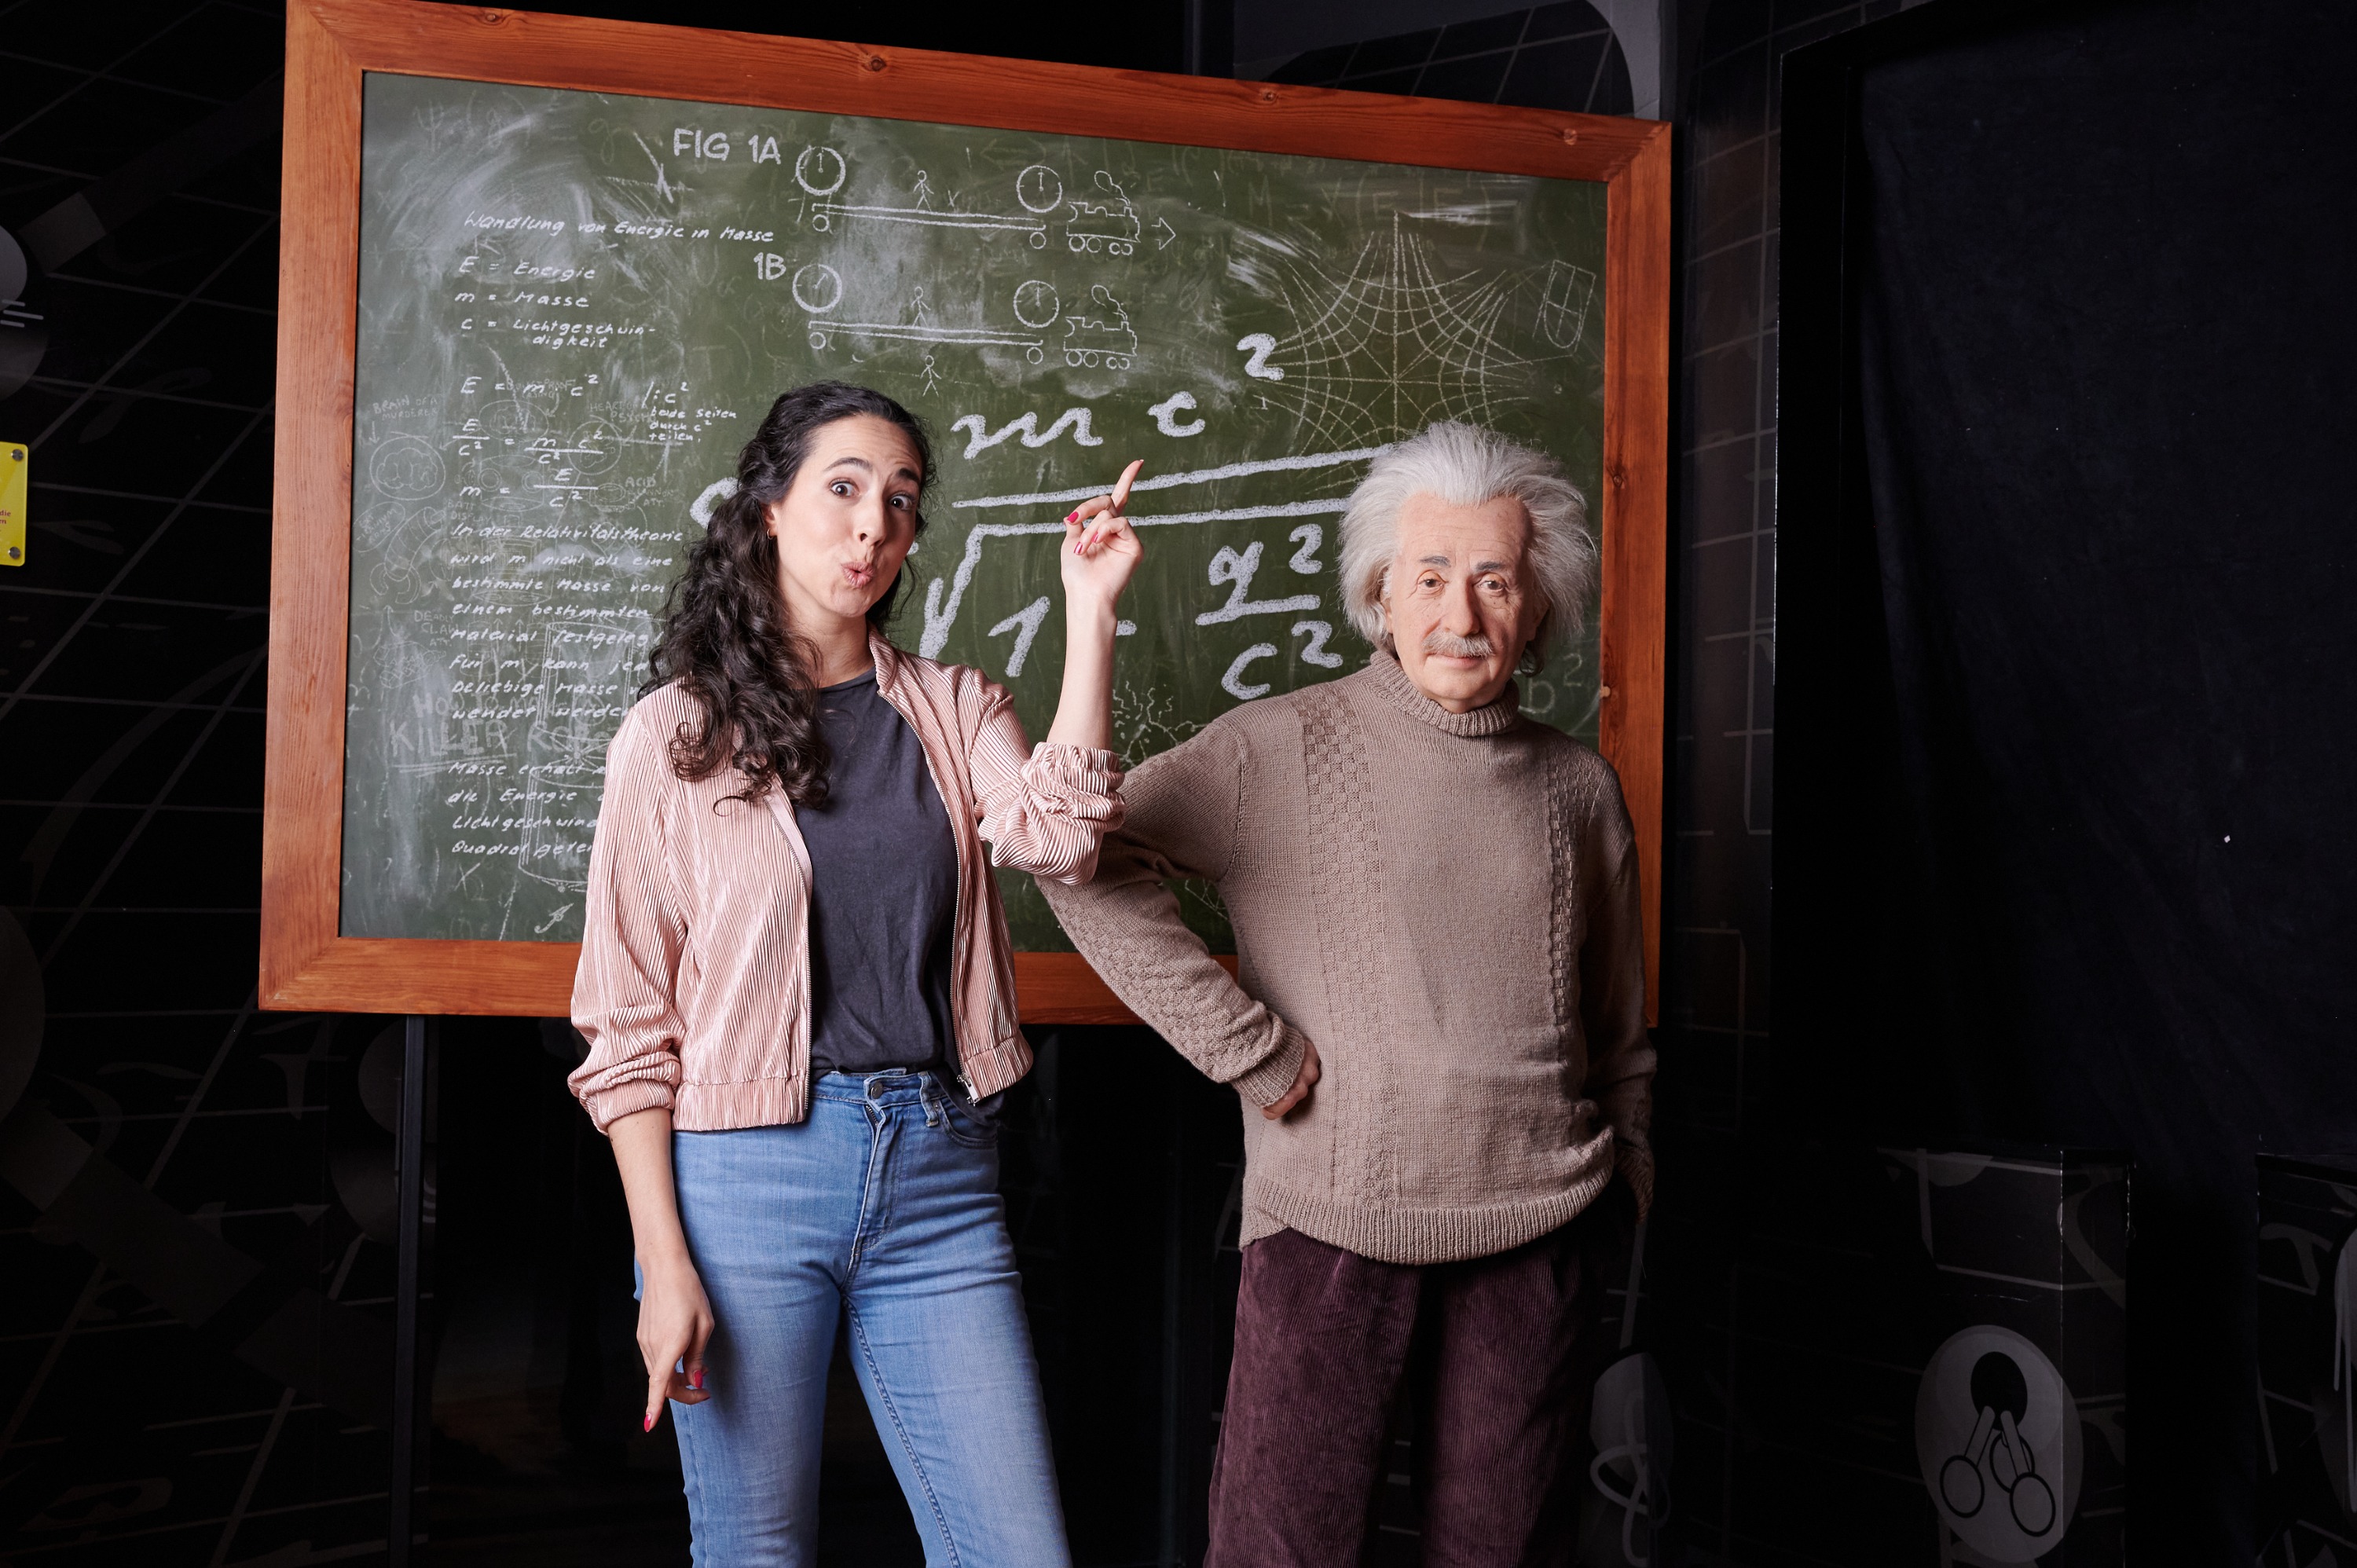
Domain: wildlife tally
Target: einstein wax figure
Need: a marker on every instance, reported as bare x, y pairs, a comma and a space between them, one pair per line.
1438, 1016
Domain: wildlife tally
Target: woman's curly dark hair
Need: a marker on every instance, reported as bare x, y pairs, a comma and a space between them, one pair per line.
725, 638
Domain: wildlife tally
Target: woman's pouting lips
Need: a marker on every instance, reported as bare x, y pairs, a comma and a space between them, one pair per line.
858, 574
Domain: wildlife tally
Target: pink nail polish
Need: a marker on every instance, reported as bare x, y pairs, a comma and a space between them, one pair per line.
650, 1424
1071, 517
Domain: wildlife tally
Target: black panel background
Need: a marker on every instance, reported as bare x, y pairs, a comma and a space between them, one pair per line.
2068, 657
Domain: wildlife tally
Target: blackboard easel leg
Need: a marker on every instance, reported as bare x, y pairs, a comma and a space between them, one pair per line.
409, 1182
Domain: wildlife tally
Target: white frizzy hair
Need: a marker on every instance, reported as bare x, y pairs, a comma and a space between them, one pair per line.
1466, 465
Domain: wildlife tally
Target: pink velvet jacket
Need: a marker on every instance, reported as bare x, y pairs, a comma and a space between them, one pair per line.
693, 990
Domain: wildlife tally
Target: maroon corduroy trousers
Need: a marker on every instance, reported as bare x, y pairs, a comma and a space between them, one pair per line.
1497, 1354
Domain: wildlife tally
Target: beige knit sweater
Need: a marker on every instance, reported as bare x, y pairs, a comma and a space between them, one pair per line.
1447, 904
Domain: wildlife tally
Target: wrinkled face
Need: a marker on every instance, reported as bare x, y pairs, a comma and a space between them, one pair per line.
1458, 599
846, 523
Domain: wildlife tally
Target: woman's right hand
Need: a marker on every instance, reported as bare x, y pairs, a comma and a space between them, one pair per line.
674, 1325
1101, 550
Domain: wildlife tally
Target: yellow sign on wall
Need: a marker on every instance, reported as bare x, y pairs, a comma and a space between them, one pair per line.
14, 462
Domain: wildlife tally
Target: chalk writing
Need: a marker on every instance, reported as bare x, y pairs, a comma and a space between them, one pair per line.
1165, 415
1025, 624
575, 307
1233, 682
1075, 420
1229, 567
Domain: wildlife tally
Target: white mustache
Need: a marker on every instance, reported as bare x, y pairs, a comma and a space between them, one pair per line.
1451, 647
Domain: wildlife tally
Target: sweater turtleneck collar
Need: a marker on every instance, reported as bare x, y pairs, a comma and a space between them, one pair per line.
1384, 673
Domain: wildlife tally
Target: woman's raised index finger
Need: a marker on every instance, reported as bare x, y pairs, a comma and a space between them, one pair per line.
1128, 478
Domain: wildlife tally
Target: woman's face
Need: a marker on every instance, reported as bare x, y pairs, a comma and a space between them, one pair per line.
847, 521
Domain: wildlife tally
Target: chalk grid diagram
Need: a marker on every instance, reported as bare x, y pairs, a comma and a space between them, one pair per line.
576, 309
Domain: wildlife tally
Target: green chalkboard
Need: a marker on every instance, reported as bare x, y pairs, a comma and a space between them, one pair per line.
574, 307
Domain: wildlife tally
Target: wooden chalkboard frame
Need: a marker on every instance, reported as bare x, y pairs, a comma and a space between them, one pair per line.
305, 964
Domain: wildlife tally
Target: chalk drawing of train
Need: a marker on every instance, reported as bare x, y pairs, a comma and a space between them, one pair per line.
1108, 339
1110, 228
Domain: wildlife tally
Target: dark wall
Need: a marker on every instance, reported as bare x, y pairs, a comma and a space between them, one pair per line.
1150, 37
1551, 57
1722, 1297
194, 1198
2067, 815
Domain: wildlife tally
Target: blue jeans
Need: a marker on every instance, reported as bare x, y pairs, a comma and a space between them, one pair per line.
883, 1205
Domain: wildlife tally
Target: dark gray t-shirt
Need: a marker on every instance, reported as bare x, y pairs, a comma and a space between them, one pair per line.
883, 895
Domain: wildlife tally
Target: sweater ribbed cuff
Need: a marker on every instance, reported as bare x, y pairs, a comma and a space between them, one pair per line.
1635, 1163
1265, 1083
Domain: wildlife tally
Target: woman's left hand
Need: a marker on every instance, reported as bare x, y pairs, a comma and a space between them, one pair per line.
1101, 550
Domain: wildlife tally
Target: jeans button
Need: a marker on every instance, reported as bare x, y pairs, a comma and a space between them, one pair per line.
875, 1091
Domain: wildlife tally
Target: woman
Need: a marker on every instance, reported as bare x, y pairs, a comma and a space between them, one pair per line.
800, 1005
